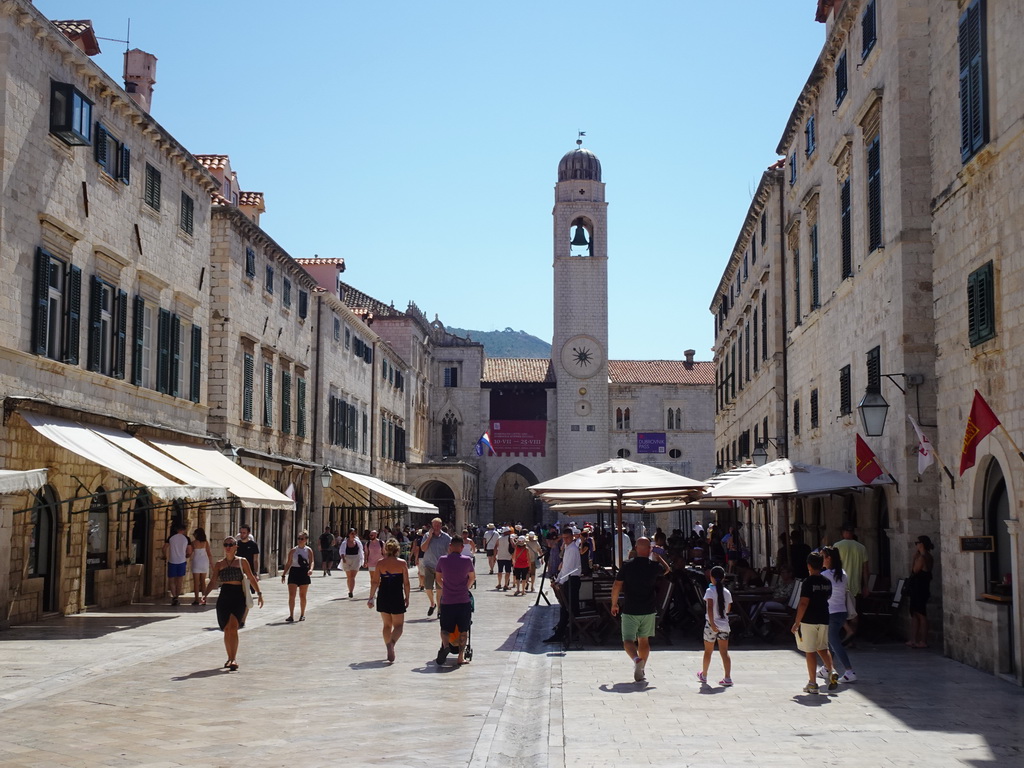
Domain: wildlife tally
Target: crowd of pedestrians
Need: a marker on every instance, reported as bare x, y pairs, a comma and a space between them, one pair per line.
829, 580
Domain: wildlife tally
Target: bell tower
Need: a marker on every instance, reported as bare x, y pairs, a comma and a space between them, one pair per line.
579, 348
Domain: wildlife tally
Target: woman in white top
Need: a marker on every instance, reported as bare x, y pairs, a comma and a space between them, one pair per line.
201, 560
300, 572
718, 601
352, 557
837, 613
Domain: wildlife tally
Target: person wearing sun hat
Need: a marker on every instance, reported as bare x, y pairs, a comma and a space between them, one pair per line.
536, 555
490, 541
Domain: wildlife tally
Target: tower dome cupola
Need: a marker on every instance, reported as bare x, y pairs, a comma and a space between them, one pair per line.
579, 163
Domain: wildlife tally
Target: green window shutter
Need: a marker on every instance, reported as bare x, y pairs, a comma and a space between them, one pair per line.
196, 379
175, 374
74, 310
120, 335
138, 329
300, 416
971, 41
268, 395
981, 323
41, 305
874, 195
100, 145
95, 308
846, 230
248, 380
163, 354
286, 402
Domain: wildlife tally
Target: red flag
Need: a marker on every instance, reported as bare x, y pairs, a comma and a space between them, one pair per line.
979, 423
868, 469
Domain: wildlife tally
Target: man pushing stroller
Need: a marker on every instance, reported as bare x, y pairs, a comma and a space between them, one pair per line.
455, 575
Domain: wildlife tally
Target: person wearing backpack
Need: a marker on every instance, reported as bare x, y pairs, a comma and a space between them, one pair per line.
503, 549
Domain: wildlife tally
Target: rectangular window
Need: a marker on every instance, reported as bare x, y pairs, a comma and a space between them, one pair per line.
268, 283
809, 136
337, 329
57, 309
764, 326
250, 262
841, 81
348, 338
874, 369
756, 328
139, 366
792, 169
753, 250
300, 407
366, 431
181, 357
815, 287
451, 377
70, 114
846, 231
814, 409
248, 381
286, 402
112, 155
286, 292
981, 306
845, 391
746, 266
796, 288
152, 191
796, 417
163, 352
195, 383
268, 395
868, 30
108, 324
874, 195
973, 77
764, 228
746, 354
187, 214
303, 305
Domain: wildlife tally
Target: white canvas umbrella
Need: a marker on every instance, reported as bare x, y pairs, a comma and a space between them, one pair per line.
783, 478
617, 482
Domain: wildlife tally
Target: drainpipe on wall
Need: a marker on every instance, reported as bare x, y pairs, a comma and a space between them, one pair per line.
318, 491
373, 410
785, 319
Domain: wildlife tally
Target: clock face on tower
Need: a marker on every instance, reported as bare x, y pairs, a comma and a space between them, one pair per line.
582, 356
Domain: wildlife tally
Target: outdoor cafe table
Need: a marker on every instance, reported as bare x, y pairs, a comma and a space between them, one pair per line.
743, 602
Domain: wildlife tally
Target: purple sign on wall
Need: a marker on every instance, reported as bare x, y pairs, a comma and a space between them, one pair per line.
650, 442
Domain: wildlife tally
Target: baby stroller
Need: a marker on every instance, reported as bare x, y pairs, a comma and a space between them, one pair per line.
455, 637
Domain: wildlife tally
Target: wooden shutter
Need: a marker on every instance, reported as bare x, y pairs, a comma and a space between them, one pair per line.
971, 41
331, 405
124, 166
846, 233
153, 187
175, 373
120, 335
300, 407
138, 330
874, 195
41, 305
248, 377
867, 30
268, 395
286, 402
196, 363
981, 305
95, 327
74, 312
303, 305
163, 353
100, 145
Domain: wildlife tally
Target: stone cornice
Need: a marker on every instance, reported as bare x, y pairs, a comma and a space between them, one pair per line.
252, 232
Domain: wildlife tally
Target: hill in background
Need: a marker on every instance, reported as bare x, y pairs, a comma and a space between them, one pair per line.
506, 343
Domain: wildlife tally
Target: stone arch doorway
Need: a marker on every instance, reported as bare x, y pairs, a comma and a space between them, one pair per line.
512, 502
442, 497
43, 547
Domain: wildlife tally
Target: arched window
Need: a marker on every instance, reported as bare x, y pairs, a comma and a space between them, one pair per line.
625, 419
679, 418
449, 435
997, 512
618, 418
670, 421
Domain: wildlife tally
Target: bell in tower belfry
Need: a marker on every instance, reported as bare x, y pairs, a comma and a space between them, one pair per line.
579, 245
580, 238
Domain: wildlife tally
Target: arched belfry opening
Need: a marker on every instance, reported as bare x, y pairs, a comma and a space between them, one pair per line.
581, 242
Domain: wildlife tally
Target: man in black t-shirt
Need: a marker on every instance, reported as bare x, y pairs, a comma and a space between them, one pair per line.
638, 577
811, 624
327, 551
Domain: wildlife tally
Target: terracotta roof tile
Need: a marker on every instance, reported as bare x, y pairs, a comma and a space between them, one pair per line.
251, 198
317, 261
518, 370
80, 29
357, 300
660, 372
213, 161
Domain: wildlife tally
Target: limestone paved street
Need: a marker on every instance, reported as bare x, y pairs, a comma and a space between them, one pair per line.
142, 686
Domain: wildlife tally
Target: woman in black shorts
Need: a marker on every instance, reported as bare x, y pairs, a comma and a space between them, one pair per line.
231, 602
300, 560
391, 593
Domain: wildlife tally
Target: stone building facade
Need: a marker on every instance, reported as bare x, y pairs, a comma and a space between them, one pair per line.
894, 276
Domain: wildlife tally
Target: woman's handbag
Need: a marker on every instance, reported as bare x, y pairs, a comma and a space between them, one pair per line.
247, 591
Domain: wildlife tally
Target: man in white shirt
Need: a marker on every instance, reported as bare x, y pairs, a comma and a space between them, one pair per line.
569, 580
503, 556
490, 541
177, 550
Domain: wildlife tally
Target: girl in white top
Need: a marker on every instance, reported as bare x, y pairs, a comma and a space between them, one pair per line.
201, 560
718, 601
838, 612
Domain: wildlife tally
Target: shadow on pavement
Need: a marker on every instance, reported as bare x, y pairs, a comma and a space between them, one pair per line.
82, 626
200, 673
631, 687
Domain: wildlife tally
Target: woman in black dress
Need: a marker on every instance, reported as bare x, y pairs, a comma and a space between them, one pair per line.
391, 593
919, 590
231, 602
300, 560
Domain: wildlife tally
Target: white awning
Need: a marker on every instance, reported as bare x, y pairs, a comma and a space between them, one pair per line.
81, 440
395, 494
250, 490
205, 487
14, 481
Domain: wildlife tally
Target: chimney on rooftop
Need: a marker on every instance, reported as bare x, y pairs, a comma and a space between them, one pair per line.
140, 77
688, 354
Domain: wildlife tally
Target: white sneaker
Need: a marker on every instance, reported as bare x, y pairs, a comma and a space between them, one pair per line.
638, 669
849, 676
822, 672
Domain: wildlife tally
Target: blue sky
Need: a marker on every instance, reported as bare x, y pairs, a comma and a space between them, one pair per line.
420, 140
